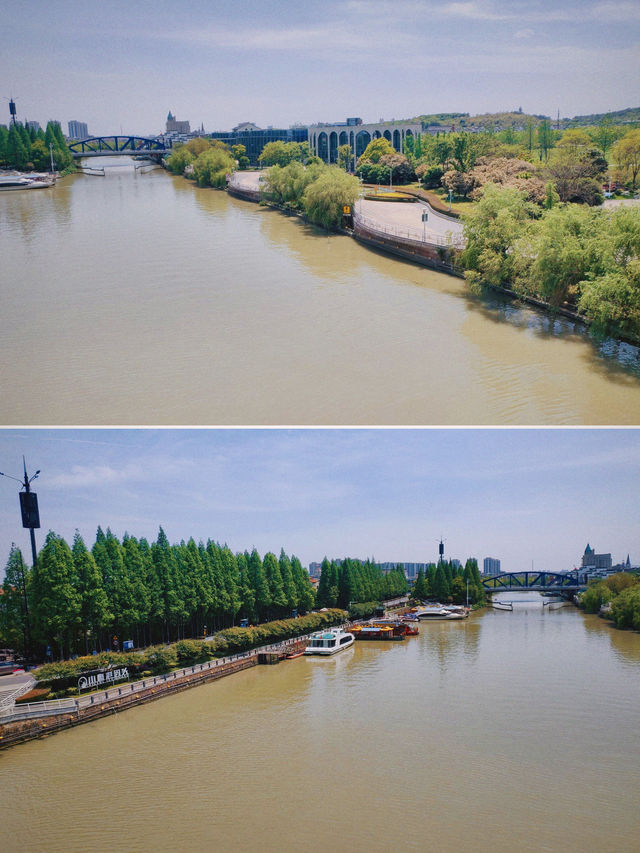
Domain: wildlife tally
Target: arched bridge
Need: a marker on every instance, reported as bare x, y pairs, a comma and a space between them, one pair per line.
104, 146
539, 581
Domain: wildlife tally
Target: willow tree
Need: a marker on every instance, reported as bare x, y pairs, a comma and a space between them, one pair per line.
325, 199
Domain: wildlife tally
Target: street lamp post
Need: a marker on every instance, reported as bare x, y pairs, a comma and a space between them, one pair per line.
31, 520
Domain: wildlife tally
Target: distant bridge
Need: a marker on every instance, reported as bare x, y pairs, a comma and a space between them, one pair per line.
106, 146
538, 581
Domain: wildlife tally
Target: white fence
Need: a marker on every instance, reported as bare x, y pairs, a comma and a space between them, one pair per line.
51, 707
419, 236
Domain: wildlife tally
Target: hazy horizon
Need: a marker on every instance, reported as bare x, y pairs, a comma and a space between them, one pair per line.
121, 69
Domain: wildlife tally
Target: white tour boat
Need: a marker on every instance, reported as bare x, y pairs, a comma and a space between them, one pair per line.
329, 641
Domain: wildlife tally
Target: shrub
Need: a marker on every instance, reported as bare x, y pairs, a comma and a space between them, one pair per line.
160, 658
190, 651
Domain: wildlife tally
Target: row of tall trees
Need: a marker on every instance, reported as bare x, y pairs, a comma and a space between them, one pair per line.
25, 148
345, 582
449, 583
78, 599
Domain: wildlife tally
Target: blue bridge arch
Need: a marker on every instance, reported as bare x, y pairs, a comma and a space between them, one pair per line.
539, 581
105, 146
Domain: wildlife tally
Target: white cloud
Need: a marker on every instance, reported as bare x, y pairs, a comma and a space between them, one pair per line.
82, 476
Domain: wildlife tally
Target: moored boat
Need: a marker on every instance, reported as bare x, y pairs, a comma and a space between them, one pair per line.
329, 642
30, 181
439, 611
378, 632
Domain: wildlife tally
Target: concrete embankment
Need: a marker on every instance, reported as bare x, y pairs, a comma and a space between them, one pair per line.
389, 227
32, 722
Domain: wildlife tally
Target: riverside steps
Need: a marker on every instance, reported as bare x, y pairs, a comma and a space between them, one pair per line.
20, 723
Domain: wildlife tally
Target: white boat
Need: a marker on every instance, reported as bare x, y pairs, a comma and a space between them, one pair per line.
33, 181
439, 612
329, 641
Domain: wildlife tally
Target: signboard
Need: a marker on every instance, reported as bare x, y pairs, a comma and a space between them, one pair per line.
102, 677
425, 216
346, 209
29, 509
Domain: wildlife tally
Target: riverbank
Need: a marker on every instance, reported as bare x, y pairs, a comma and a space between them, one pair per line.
390, 228
41, 719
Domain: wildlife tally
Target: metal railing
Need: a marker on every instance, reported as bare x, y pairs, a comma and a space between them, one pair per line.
52, 707
10, 698
418, 236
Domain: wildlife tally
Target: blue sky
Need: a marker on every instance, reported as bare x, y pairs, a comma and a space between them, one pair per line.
121, 64
519, 495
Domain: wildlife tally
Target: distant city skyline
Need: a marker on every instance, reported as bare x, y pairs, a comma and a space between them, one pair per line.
118, 67
525, 495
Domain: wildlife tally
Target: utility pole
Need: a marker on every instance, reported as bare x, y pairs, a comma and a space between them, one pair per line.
30, 520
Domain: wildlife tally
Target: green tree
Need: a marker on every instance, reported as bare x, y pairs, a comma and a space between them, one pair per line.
550, 259
56, 604
290, 589
376, 149
325, 198
327, 595
545, 139
95, 614
14, 604
276, 585
179, 159
259, 585
625, 608
420, 589
17, 154
626, 153
441, 589
212, 166
304, 589
595, 595
491, 231
345, 157
605, 134
4, 139
282, 153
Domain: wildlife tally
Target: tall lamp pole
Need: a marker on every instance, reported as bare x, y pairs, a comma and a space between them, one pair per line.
31, 520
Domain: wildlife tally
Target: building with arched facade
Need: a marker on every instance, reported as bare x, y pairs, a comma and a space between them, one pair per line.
325, 139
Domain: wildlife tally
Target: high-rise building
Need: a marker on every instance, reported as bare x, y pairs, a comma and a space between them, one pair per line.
78, 130
491, 566
33, 125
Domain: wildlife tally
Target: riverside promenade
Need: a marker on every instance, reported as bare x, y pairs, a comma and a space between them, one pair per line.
391, 226
22, 722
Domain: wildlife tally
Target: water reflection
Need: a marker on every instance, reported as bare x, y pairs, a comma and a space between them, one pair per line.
155, 278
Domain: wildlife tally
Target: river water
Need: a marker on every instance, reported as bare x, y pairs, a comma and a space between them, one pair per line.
511, 731
136, 298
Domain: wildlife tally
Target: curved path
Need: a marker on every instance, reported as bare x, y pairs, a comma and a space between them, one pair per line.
399, 218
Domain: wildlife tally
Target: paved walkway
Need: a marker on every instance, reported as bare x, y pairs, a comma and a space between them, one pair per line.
403, 219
